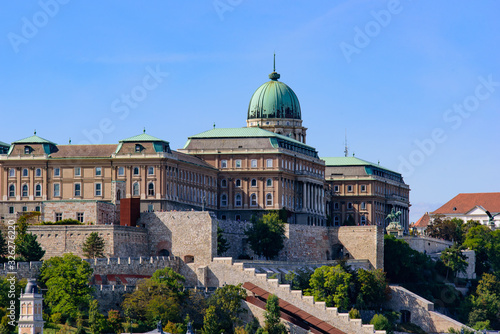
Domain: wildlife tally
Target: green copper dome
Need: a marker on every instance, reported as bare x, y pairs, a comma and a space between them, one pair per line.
274, 99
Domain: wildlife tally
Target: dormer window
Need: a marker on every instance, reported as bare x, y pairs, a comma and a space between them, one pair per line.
27, 149
138, 148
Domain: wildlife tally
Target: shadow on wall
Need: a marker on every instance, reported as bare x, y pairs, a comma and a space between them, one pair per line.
159, 235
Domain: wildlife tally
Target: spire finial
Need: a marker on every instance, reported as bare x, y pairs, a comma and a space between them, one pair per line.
274, 76
34, 132
144, 130
214, 125
69, 141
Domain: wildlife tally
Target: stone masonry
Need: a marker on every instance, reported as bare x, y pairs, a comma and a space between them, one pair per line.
119, 241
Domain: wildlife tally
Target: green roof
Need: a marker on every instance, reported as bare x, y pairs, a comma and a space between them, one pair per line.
351, 161
142, 137
244, 133
4, 144
34, 140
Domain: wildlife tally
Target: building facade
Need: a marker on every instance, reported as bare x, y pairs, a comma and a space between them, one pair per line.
235, 172
30, 312
363, 193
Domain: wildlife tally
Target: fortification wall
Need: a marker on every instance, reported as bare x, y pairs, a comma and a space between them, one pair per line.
190, 235
427, 245
119, 241
93, 211
421, 311
314, 243
107, 266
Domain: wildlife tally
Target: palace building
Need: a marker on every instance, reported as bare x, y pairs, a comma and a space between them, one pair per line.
234, 172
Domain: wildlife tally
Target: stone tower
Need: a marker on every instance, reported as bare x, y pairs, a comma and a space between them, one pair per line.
30, 317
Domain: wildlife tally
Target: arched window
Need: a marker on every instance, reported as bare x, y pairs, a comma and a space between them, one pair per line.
135, 189
269, 183
25, 172
136, 170
269, 199
151, 170
223, 183
38, 190
223, 200
237, 183
253, 183
237, 200
253, 200
151, 189
118, 194
12, 190
25, 190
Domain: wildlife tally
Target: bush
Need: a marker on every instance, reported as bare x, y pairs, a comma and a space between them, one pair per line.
354, 314
56, 318
62, 222
381, 323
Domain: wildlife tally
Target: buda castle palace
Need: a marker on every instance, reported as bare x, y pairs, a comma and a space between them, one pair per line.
233, 172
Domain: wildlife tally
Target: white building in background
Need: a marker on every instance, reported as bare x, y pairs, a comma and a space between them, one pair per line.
472, 206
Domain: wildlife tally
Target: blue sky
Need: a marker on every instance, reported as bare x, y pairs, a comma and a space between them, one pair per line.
416, 85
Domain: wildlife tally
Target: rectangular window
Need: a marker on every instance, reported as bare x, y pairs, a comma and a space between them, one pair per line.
98, 171
254, 163
349, 188
37, 208
57, 190
38, 172
25, 208
223, 164
121, 171
78, 189
349, 206
79, 217
363, 206
269, 163
363, 188
237, 163
78, 171
57, 172
58, 216
98, 189
12, 172
336, 189
151, 170
11, 209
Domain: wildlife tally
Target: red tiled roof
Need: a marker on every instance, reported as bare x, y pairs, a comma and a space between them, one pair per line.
423, 221
84, 151
463, 203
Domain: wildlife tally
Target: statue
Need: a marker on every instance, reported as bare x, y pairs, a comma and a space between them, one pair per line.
159, 327
491, 219
393, 216
394, 227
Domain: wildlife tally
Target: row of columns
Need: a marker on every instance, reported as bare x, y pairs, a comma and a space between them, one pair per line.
313, 198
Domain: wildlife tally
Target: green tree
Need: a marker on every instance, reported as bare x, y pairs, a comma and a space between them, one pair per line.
115, 321
372, 287
493, 252
222, 244
486, 302
96, 319
331, 285
210, 321
478, 238
67, 281
266, 235
447, 229
158, 298
227, 301
93, 246
29, 248
381, 323
454, 260
299, 278
3, 247
272, 316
